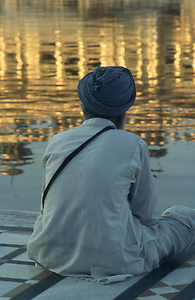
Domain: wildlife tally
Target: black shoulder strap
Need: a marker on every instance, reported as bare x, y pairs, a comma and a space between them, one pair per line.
69, 158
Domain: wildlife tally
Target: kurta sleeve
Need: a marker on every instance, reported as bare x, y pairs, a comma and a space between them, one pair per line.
143, 196
46, 156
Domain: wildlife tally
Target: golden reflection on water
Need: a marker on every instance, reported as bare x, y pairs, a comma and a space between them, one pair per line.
47, 46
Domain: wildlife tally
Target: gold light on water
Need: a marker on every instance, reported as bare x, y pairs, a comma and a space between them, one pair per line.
47, 47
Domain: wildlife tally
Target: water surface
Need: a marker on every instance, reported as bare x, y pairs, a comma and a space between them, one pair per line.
47, 46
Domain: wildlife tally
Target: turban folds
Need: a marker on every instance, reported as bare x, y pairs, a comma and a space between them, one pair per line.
107, 91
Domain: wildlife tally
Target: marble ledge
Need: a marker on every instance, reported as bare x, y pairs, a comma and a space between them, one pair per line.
18, 218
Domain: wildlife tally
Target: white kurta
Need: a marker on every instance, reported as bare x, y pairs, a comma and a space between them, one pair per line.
100, 216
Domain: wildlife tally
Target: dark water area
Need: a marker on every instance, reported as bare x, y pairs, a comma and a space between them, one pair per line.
46, 46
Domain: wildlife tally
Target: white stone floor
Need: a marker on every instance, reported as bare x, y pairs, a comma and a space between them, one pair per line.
21, 280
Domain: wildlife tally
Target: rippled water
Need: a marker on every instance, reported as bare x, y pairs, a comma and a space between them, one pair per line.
46, 46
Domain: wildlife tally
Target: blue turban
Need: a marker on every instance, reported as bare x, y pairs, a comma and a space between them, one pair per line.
107, 91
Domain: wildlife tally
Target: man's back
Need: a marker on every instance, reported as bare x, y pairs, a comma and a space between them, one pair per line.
87, 211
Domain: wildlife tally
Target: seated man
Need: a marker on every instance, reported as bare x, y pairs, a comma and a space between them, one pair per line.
99, 218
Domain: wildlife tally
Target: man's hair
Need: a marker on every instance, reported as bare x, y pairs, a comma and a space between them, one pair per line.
87, 113
117, 120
